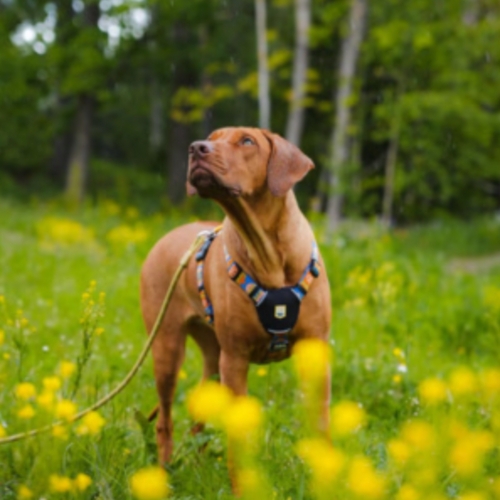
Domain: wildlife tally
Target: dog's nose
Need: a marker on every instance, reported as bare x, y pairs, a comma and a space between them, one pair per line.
200, 148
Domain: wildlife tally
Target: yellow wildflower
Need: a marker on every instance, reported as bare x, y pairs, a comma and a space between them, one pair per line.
52, 383
24, 322
325, 461
24, 493
2, 299
2, 337
182, 374
408, 492
242, 417
311, 359
347, 417
398, 353
25, 391
46, 400
60, 484
490, 381
209, 402
6, 356
467, 454
149, 484
472, 495
92, 423
252, 483
262, 372
99, 331
60, 432
432, 391
492, 298
3, 432
399, 451
397, 379
125, 235
363, 480
26, 412
82, 482
463, 382
418, 434
65, 409
66, 369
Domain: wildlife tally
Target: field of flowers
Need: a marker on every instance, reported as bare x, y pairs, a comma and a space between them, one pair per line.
415, 359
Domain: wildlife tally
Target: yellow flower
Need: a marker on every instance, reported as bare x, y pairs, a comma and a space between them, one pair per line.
208, 402
490, 382
311, 359
92, 423
99, 331
6, 355
52, 383
60, 484
262, 372
24, 322
473, 495
149, 484
66, 369
46, 400
398, 353
347, 417
467, 454
399, 451
408, 492
432, 391
2, 337
62, 231
397, 378
24, 493
60, 432
492, 298
182, 374
242, 417
3, 432
463, 382
65, 409
2, 299
418, 434
25, 391
125, 235
82, 482
363, 480
26, 412
252, 483
325, 461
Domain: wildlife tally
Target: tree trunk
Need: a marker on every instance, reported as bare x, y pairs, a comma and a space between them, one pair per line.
155, 116
264, 99
340, 139
470, 14
79, 157
78, 165
300, 63
390, 174
178, 159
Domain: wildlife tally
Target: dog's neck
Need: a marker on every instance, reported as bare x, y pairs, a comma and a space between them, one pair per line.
258, 231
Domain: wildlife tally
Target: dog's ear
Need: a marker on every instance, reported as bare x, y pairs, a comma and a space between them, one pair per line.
287, 164
191, 190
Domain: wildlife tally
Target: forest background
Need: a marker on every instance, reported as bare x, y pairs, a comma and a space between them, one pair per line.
397, 103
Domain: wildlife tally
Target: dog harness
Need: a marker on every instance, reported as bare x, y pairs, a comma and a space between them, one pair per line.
278, 309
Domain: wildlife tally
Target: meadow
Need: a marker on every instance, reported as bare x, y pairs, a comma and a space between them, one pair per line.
415, 344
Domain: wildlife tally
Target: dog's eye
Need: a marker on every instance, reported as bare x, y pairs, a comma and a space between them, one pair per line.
246, 141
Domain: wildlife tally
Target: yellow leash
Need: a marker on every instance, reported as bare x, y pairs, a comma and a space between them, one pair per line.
119, 388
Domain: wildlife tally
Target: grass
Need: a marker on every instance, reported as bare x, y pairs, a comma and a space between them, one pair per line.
399, 316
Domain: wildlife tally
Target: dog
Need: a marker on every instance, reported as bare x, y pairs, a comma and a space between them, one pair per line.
258, 284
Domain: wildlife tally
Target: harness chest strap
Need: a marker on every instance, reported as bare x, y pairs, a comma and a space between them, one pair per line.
278, 310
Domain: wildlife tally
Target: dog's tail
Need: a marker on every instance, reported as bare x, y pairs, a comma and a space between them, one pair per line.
154, 413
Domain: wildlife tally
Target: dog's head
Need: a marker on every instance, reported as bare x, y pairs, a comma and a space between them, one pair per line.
242, 161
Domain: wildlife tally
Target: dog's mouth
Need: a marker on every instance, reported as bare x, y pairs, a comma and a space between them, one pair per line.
208, 184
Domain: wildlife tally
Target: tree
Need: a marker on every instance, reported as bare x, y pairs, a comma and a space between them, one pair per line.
263, 70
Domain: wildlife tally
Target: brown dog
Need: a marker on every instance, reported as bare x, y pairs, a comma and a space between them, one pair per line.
250, 173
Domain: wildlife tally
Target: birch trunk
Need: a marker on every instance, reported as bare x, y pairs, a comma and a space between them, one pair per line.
340, 139
295, 123
263, 71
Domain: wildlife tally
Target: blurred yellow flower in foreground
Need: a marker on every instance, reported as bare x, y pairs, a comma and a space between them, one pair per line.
24, 493
262, 372
82, 482
325, 461
467, 454
208, 402
363, 480
347, 417
2, 337
60, 484
60, 432
26, 412
67, 369
399, 451
149, 484
65, 409
311, 359
408, 492
3, 433
52, 383
473, 495
243, 417
419, 434
63, 231
432, 391
46, 400
490, 381
25, 391
92, 423
463, 382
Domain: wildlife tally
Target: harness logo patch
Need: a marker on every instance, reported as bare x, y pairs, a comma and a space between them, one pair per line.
280, 312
